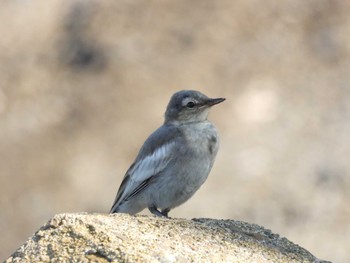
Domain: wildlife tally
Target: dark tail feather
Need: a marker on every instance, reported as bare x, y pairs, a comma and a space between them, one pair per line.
114, 209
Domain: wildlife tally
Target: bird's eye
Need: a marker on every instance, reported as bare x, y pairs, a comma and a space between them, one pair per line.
190, 104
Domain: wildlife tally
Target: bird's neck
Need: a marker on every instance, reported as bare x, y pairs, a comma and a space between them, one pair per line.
180, 123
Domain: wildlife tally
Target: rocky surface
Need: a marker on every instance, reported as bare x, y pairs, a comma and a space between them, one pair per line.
125, 238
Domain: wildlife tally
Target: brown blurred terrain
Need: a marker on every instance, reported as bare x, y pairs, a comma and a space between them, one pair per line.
83, 83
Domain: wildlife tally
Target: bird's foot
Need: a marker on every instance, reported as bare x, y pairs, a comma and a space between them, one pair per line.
162, 213
165, 212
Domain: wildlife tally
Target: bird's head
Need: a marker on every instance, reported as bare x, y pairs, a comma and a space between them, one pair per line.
189, 106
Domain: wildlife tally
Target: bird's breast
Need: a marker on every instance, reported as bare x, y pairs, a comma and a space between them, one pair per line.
202, 139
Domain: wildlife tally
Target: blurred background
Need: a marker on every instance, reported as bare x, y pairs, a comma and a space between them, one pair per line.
83, 83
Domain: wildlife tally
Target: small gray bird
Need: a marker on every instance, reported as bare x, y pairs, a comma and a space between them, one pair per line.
174, 161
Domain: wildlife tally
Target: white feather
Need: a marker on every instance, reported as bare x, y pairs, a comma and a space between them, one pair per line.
147, 167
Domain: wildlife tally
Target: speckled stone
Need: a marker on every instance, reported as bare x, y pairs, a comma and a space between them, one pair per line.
124, 238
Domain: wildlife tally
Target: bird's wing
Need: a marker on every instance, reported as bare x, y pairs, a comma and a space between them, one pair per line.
143, 171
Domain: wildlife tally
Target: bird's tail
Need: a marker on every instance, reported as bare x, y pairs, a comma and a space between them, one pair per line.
114, 208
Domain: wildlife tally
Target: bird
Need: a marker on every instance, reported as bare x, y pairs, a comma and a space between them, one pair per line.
174, 161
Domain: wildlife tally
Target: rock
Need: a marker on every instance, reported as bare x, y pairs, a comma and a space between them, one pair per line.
123, 238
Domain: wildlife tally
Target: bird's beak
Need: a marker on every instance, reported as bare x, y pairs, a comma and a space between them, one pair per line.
211, 102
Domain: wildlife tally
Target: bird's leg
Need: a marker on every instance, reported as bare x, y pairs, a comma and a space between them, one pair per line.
155, 211
165, 212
